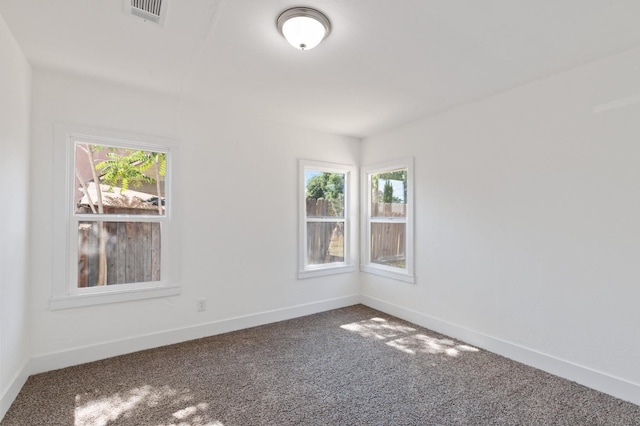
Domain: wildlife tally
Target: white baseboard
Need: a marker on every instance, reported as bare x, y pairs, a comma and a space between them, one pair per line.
597, 380
10, 394
81, 355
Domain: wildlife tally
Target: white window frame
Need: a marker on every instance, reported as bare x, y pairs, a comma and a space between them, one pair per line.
402, 274
65, 291
350, 207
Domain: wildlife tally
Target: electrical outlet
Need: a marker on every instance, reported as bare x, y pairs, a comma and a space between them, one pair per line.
202, 305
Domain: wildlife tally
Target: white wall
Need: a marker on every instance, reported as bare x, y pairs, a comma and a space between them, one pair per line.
528, 221
244, 183
236, 186
15, 98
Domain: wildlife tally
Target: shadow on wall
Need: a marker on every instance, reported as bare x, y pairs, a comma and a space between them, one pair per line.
405, 338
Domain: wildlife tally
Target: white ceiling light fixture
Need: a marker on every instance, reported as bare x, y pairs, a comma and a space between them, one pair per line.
303, 27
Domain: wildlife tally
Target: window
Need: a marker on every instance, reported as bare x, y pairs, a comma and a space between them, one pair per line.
387, 225
326, 228
117, 212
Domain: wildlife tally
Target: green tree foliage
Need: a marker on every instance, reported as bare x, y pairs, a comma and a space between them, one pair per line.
143, 160
131, 167
329, 186
383, 196
400, 175
124, 170
387, 193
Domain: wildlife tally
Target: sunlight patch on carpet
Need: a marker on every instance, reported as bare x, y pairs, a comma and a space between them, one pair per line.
403, 338
421, 343
101, 410
378, 328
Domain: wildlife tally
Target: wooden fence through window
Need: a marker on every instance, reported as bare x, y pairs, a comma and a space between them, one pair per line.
132, 252
388, 240
325, 240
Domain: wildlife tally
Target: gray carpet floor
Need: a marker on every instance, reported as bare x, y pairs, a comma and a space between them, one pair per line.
350, 366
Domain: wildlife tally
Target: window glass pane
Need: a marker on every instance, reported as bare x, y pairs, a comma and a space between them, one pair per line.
116, 180
389, 194
118, 253
324, 193
325, 242
388, 242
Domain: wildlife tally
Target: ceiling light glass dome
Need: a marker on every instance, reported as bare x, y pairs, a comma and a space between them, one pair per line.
304, 28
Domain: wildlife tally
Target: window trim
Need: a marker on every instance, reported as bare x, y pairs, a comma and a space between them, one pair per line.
401, 274
65, 293
350, 207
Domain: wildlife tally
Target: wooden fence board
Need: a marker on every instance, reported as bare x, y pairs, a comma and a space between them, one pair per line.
144, 244
83, 260
130, 265
155, 252
121, 238
112, 251
92, 255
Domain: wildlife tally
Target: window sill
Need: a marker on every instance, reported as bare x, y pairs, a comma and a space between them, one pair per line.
115, 296
310, 273
399, 276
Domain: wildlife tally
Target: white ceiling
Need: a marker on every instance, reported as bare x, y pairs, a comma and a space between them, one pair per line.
385, 63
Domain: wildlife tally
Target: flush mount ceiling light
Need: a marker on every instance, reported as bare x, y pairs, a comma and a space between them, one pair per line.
304, 28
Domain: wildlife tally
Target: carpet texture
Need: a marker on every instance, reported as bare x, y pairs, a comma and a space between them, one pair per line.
350, 366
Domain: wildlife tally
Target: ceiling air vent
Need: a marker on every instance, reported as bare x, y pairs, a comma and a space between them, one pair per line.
147, 10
